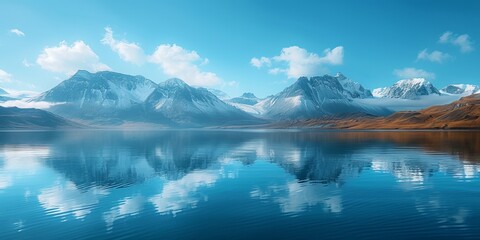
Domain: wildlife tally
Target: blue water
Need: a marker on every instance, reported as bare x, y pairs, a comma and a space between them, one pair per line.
239, 185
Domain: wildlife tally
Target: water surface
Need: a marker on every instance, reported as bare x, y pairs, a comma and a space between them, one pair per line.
192, 184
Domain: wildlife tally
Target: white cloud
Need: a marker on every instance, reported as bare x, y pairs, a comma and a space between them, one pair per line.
445, 37
232, 84
259, 62
435, 56
21, 94
334, 56
300, 62
413, 73
463, 41
5, 77
17, 32
176, 61
68, 59
128, 52
27, 104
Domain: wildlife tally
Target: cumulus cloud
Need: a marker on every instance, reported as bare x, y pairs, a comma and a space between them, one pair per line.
413, 73
300, 62
68, 59
128, 52
176, 61
435, 56
5, 77
259, 62
463, 41
17, 32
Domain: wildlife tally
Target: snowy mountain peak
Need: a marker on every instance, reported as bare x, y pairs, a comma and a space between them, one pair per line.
407, 89
185, 105
175, 82
412, 81
464, 89
103, 89
83, 74
352, 89
314, 97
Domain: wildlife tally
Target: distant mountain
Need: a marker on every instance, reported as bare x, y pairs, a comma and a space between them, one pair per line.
460, 114
246, 98
312, 98
407, 89
180, 104
353, 89
5, 98
18, 118
219, 93
247, 103
466, 89
90, 95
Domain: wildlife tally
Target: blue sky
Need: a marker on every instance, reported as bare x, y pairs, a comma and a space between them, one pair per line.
220, 44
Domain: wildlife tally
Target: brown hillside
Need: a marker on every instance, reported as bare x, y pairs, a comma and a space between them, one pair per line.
461, 114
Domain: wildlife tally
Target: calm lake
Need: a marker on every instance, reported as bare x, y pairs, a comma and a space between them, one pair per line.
198, 184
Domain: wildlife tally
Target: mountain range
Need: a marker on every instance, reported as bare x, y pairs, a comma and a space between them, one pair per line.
110, 98
461, 114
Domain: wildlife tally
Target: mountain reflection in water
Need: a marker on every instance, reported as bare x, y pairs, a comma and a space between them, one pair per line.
257, 180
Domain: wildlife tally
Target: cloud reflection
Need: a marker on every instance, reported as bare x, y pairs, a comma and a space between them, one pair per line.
181, 194
66, 198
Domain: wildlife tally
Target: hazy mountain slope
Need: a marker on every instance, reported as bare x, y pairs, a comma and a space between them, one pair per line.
17, 118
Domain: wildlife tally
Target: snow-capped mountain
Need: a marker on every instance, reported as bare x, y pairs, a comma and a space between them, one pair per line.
101, 89
181, 104
407, 89
464, 89
353, 89
312, 98
107, 95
